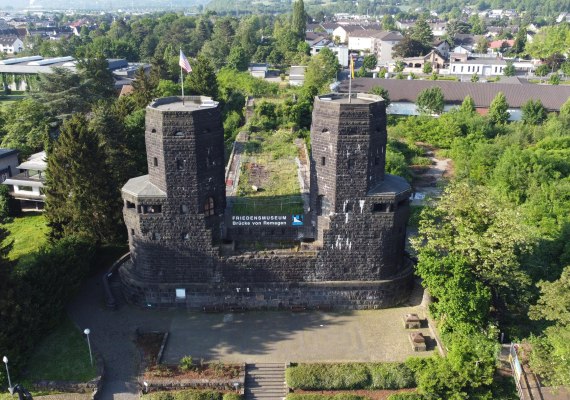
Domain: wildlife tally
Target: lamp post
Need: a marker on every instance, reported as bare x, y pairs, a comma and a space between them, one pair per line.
5, 359
87, 332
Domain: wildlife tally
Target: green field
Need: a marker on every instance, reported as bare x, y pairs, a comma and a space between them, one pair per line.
28, 233
62, 355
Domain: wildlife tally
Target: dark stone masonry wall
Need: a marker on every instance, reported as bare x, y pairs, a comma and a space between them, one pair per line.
179, 235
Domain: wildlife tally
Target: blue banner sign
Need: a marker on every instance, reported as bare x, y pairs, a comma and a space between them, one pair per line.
268, 220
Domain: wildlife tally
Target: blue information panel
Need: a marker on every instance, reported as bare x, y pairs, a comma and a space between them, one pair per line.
267, 220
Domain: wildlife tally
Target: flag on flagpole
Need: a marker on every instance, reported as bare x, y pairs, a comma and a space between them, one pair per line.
351, 67
184, 64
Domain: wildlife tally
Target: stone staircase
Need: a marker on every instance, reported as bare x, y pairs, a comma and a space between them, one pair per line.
265, 381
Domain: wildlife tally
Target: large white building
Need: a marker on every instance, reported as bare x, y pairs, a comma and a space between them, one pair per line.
11, 44
29, 183
479, 66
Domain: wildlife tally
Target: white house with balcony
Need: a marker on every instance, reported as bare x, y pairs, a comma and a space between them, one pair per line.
29, 183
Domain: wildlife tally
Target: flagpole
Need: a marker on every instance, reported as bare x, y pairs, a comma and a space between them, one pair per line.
350, 80
182, 80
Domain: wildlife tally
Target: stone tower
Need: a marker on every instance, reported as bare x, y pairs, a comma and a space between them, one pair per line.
359, 212
173, 214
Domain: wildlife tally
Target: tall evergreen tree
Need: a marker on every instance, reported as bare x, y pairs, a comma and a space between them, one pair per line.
498, 110
79, 193
97, 79
202, 80
144, 88
61, 92
299, 22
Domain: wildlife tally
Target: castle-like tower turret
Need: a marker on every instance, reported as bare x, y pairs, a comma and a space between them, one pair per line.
173, 213
359, 212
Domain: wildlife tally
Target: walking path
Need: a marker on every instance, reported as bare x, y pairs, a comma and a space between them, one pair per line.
427, 185
265, 381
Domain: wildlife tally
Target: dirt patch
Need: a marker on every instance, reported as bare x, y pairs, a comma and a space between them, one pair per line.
149, 344
371, 394
257, 174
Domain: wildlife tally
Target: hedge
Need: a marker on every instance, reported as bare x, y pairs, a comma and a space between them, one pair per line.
191, 395
347, 376
405, 396
340, 396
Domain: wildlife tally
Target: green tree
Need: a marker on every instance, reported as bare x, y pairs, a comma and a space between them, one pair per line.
550, 355
380, 91
509, 70
26, 126
409, 47
565, 109
554, 79
299, 21
533, 112
427, 68
202, 80
97, 79
399, 67
79, 193
322, 70
474, 78
238, 59
520, 41
466, 373
422, 33
468, 105
498, 113
62, 93
388, 23
480, 231
144, 88
482, 45
430, 101
9, 207
542, 70
369, 62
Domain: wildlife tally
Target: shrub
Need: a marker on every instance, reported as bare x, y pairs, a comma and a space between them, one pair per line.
186, 363
350, 376
232, 396
328, 376
185, 395
405, 396
340, 396
391, 376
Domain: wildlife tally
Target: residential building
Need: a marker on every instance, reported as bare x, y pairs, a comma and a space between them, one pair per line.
342, 32
442, 47
258, 70
8, 163
11, 44
297, 75
480, 66
437, 61
384, 46
438, 28
340, 51
362, 40
29, 183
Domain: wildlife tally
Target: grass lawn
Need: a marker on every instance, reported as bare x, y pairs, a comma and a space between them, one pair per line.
62, 355
269, 164
29, 233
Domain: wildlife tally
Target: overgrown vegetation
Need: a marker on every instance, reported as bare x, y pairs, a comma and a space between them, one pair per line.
347, 376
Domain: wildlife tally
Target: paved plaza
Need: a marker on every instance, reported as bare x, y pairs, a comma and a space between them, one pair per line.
241, 337
253, 337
